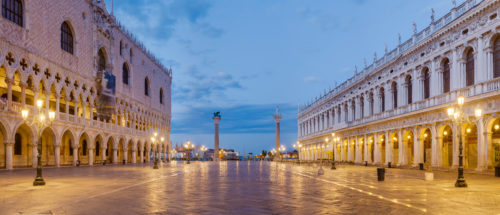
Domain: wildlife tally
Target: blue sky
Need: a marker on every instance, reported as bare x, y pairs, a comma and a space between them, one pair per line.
245, 57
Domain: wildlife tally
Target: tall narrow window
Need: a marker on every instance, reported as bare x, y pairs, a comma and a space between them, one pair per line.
146, 86
121, 48
66, 38
394, 95
427, 77
161, 95
125, 74
13, 11
131, 55
469, 68
382, 99
371, 103
18, 144
496, 58
446, 76
353, 115
346, 115
362, 107
101, 60
409, 89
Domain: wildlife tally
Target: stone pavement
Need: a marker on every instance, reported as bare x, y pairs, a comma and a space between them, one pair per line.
244, 187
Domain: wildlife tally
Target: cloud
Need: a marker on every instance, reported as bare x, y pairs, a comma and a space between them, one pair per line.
311, 79
235, 119
202, 86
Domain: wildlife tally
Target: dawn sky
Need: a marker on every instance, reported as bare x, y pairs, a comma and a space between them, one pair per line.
244, 58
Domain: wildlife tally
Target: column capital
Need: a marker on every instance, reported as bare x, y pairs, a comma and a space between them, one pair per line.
8, 143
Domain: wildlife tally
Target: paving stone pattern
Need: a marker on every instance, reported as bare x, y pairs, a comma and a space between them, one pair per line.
245, 187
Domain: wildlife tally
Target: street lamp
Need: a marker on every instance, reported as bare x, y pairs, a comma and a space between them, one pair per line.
298, 145
333, 150
40, 120
155, 145
203, 149
458, 116
188, 146
282, 149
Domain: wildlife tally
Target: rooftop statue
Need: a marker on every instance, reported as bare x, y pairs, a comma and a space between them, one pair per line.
217, 114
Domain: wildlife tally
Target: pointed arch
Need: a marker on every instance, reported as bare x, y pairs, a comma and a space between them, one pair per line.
101, 59
125, 73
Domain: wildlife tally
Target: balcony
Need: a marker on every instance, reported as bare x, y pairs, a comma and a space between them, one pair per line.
446, 98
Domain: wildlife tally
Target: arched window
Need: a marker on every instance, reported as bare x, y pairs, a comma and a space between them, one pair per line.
161, 95
146, 86
18, 144
13, 11
394, 94
382, 99
446, 76
101, 63
496, 58
409, 91
125, 74
84, 147
427, 77
469, 68
66, 38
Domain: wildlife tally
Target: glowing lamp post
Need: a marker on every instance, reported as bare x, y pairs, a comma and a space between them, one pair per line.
154, 141
40, 120
188, 146
203, 149
458, 116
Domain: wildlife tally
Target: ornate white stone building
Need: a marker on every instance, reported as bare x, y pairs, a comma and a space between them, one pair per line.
69, 53
395, 110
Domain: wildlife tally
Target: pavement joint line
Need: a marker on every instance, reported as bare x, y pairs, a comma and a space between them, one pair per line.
365, 192
106, 193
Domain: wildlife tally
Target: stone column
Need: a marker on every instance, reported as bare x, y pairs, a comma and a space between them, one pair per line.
141, 155
84, 109
34, 153
67, 99
366, 150
401, 150
125, 155
434, 146
57, 104
104, 147
57, 154
115, 154
8, 155
9, 82
377, 150
75, 155
388, 148
134, 155
216, 120
23, 93
418, 156
47, 101
91, 156
481, 144
277, 118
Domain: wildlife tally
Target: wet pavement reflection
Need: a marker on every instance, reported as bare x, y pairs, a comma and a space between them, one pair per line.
243, 187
